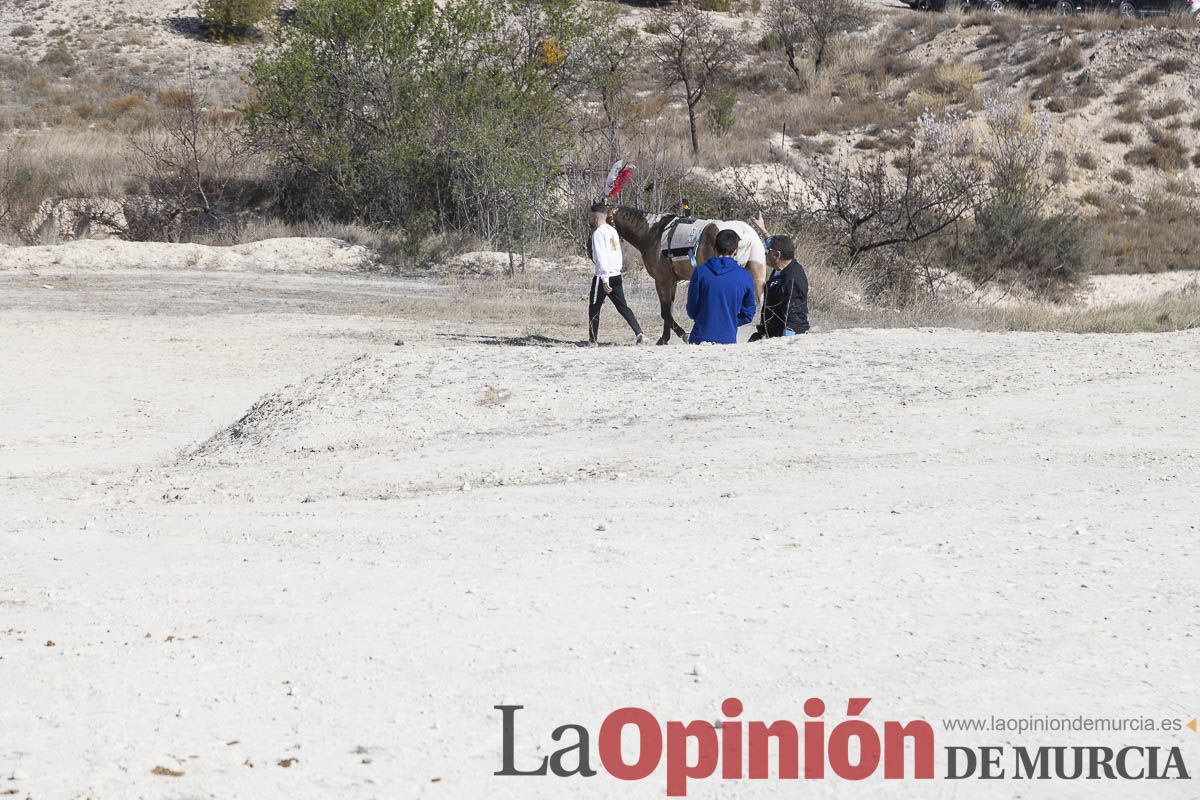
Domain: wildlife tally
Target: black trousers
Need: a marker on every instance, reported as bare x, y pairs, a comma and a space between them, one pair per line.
596, 301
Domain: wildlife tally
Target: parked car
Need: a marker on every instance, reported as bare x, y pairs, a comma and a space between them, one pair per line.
1125, 8
1065, 7
1147, 8
1142, 8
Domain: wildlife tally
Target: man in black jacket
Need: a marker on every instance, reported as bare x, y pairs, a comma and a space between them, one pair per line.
785, 306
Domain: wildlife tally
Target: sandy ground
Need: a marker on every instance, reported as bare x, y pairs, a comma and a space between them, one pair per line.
243, 528
1107, 290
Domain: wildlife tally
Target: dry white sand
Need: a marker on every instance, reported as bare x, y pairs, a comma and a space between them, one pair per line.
234, 533
1109, 290
269, 255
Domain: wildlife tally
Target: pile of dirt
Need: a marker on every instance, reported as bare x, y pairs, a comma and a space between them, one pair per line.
422, 420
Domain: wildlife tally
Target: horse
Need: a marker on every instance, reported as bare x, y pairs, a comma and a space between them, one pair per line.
672, 246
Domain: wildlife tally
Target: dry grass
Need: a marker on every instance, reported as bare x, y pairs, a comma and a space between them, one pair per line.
868, 114
58, 163
1002, 29
1101, 21
1168, 108
552, 303
954, 81
1161, 235
1165, 151
1173, 313
1173, 65
1064, 58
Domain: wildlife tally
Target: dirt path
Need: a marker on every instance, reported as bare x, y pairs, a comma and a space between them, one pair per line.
398, 538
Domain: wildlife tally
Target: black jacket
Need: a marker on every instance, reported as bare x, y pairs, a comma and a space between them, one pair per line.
786, 301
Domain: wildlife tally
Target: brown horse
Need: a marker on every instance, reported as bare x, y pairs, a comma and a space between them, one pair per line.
645, 232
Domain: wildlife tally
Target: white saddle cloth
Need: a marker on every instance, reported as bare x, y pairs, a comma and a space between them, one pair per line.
681, 237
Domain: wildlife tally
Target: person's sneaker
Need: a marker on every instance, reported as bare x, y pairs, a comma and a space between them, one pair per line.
640, 338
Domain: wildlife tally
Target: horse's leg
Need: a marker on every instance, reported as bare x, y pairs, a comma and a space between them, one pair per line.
670, 316
666, 296
682, 271
758, 271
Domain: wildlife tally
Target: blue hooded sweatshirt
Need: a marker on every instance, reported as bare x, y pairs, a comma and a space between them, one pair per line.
720, 298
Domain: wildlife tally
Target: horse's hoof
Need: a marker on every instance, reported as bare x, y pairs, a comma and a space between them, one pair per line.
664, 340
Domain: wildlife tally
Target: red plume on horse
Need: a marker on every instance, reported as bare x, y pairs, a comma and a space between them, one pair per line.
618, 176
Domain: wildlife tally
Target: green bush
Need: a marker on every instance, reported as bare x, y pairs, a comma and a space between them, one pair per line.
420, 114
1045, 252
232, 20
721, 116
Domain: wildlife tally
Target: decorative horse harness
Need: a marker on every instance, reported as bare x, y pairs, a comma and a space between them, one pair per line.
681, 238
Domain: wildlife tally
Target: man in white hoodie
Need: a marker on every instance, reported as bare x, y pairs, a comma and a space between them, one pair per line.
606, 255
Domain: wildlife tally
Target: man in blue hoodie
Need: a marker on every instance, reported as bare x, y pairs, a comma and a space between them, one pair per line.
720, 295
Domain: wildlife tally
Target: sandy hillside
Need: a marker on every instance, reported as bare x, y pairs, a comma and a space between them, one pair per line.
250, 539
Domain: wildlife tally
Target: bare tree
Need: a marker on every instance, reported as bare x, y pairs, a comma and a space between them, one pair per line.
812, 25
609, 61
694, 56
188, 164
8, 185
873, 210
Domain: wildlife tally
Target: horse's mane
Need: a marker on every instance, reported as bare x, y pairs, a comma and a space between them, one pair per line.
632, 224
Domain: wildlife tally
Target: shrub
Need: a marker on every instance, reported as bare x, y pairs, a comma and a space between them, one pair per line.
812, 25
1086, 160
1060, 169
126, 104
1003, 29
1123, 176
190, 169
1058, 105
231, 20
1013, 235
1129, 114
1061, 59
1129, 97
1045, 252
25, 181
1088, 89
1173, 65
373, 111
1165, 151
59, 59
1167, 108
956, 80
1161, 235
721, 116
1115, 136
1150, 77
